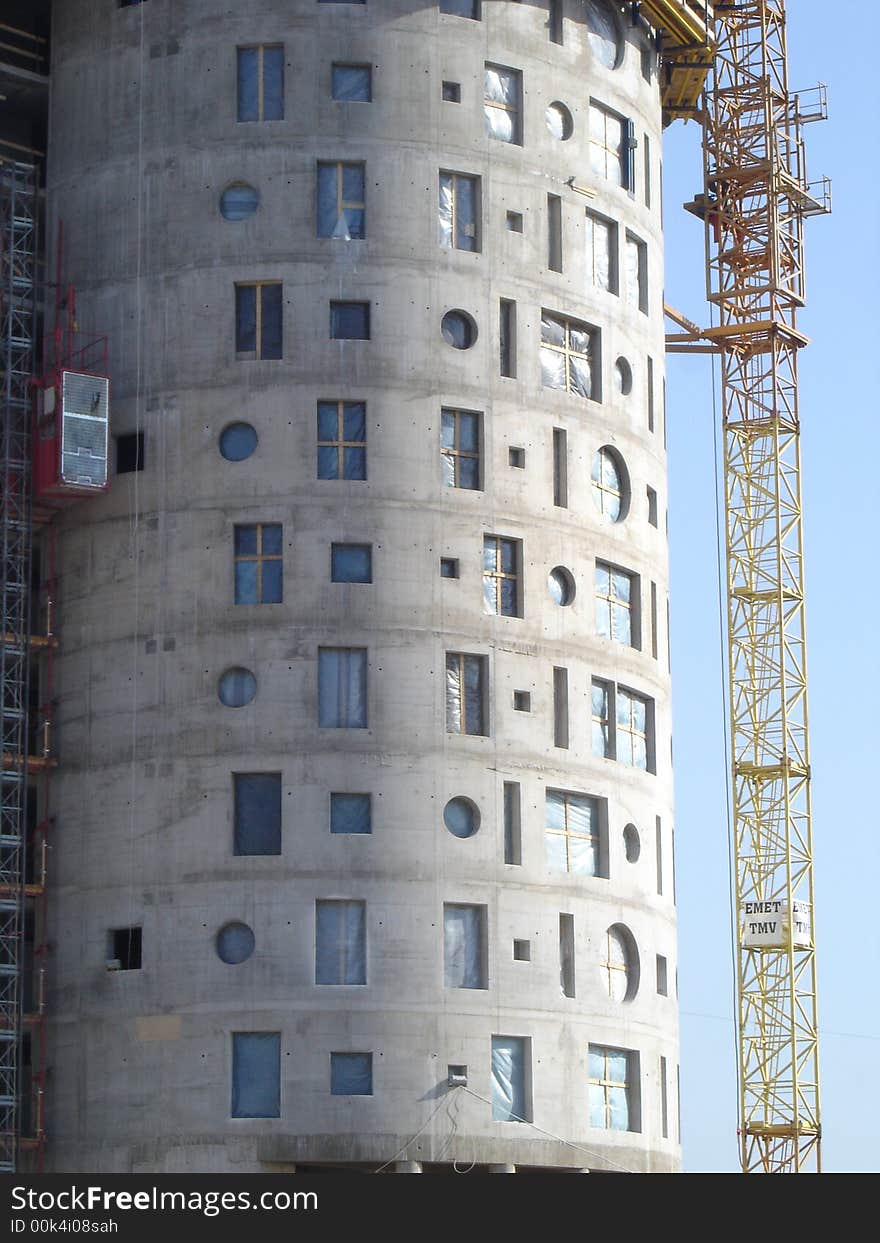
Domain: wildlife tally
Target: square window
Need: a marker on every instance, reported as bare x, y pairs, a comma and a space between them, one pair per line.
340, 942
129, 453
258, 319
342, 208
350, 321
516, 457
342, 687
256, 1074
351, 813
466, 694
258, 564
261, 83
342, 440
449, 567
570, 356
456, 1075
452, 92
465, 961
461, 435
351, 1074
522, 951
351, 563
522, 701
125, 948
511, 1079
514, 221
353, 83
256, 813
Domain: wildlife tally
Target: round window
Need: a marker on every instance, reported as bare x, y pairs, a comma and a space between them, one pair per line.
237, 442
603, 33
461, 817
235, 943
610, 484
236, 687
623, 377
559, 121
459, 330
560, 584
621, 965
631, 843
238, 201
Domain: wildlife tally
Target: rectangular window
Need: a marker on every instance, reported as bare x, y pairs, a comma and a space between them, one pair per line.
341, 202
647, 159
514, 221
654, 620
464, 946
461, 8
352, 83
466, 694
511, 1086
573, 834
258, 319
256, 1074
459, 211
256, 799
129, 453
507, 339
658, 850
633, 730
566, 955
340, 942
616, 595
560, 707
664, 1100
351, 813
602, 734
258, 563
613, 1076
607, 134
512, 824
351, 1074
636, 272
662, 981
554, 21
650, 384
126, 948
461, 434
502, 103
554, 232
652, 507
560, 467
350, 321
342, 440
501, 575
569, 356
351, 563
342, 687
601, 240
261, 82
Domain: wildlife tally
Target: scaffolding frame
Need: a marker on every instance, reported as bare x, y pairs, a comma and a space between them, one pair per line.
756, 197
18, 259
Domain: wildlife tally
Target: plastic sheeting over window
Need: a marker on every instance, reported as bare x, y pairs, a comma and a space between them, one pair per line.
618, 964
342, 440
258, 320
460, 448
236, 687
238, 201
603, 32
465, 693
458, 211
351, 563
256, 1074
350, 813
635, 270
571, 833
509, 1099
609, 1073
350, 321
502, 103
566, 355
342, 687
464, 950
632, 729
341, 211
609, 485
352, 83
608, 159
257, 813
601, 239
614, 589
235, 943
501, 575
340, 942
351, 1074
601, 696
461, 8
261, 83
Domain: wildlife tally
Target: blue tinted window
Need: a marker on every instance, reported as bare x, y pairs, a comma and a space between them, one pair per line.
238, 201
350, 813
257, 814
342, 434
350, 321
261, 83
461, 817
342, 687
256, 1074
235, 943
237, 442
237, 687
351, 563
258, 564
340, 942
352, 83
351, 1074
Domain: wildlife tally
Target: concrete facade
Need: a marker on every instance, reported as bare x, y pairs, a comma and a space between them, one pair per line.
144, 138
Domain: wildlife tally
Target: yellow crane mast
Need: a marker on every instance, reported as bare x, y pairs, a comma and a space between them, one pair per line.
754, 202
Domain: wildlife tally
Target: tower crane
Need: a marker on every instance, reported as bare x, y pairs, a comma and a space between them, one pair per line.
726, 65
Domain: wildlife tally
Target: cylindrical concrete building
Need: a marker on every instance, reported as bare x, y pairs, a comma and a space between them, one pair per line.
364, 799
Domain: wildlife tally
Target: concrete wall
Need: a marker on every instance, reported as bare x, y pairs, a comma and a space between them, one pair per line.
144, 138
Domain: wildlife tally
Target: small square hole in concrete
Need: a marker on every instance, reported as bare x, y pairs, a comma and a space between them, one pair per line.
522, 951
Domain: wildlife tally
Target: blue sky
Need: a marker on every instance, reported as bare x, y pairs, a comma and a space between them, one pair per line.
841, 455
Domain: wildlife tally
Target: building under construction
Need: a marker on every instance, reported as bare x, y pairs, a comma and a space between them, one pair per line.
337, 823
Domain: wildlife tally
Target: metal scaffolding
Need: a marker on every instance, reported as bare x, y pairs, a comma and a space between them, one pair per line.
18, 257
